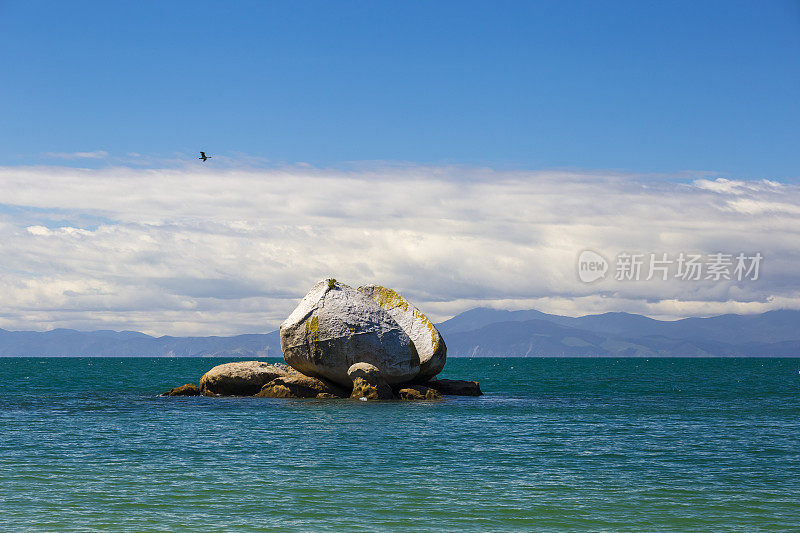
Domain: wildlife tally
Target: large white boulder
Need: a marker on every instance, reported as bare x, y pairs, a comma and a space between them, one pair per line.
426, 338
336, 326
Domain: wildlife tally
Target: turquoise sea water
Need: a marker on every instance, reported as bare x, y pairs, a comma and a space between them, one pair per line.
555, 444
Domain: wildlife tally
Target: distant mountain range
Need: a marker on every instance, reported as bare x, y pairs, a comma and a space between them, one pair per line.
479, 332
492, 333
71, 343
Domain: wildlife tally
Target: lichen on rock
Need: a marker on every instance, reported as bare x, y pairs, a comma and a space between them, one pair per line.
427, 340
418, 392
300, 386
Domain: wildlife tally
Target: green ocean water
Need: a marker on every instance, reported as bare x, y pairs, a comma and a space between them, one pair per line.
555, 444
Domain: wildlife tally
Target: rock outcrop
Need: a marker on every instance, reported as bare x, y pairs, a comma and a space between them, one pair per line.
455, 387
368, 383
244, 378
300, 386
366, 344
427, 340
190, 389
336, 326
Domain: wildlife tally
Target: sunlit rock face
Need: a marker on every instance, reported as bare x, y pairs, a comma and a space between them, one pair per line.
427, 340
336, 326
241, 378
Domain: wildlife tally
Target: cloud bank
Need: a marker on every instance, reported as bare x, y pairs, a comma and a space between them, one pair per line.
196, 250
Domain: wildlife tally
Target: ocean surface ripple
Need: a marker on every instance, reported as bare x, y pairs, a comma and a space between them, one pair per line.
555, 444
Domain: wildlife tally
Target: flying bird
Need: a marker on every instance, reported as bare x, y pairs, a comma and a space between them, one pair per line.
203, 156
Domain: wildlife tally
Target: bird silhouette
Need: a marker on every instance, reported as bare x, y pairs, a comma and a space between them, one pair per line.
203, 156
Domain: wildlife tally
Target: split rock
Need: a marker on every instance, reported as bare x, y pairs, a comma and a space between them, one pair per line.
336, 326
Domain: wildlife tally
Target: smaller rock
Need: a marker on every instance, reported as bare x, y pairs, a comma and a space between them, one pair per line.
368, 382
455, 387
326, 395
242, 378
190, 389
300, 386
418, 392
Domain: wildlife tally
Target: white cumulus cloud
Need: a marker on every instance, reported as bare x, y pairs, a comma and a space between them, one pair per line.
205, 251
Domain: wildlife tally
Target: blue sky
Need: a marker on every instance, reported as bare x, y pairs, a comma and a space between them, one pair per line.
648, 87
